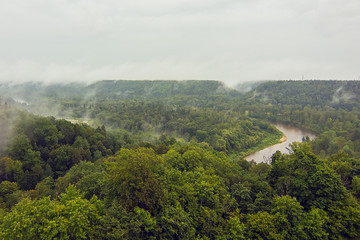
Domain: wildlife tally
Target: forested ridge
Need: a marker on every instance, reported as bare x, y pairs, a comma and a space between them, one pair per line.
116, 89
338, 94
328, 108
163, 160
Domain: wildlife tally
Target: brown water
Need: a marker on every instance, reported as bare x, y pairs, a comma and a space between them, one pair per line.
293, 135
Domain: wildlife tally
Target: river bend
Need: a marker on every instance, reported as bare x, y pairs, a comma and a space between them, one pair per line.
292, 134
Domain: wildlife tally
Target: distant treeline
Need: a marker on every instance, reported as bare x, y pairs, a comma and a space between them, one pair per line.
119, 89
331, 109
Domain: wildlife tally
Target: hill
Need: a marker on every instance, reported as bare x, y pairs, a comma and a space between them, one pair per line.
338, 94
114, 89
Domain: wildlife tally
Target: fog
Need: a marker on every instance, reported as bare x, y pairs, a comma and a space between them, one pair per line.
228, 40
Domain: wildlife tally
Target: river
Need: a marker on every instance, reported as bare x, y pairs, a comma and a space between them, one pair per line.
292, 134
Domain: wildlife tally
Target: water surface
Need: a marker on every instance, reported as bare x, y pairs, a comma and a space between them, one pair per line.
293, 134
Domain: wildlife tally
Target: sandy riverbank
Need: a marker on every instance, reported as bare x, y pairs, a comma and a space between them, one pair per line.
283, 139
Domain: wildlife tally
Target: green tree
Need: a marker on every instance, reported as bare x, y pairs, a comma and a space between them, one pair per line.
192, 160
83, 146
121, 224
356, 186
344, 220
133, 179
315, 224
10, 170
30, 159
175, 223
46, 187
86, 176
18, 147
63, 158
235, 229
303, 175
69, 217
9, 194
174, 160
288, 215
242, 197
67, 130
262, 225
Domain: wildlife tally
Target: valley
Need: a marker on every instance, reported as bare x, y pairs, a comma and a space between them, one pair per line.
173, 160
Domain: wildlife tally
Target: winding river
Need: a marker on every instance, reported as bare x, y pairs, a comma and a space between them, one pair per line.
292, 135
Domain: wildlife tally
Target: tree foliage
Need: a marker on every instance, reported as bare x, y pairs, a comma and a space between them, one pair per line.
169, 168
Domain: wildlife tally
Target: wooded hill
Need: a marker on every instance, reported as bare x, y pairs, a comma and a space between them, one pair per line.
338, 94
119, 89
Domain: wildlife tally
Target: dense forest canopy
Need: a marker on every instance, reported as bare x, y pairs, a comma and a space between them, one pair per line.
163, 160
338, 94
116, 89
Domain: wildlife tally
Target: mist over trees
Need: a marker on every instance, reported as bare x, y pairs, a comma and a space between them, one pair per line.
163, 160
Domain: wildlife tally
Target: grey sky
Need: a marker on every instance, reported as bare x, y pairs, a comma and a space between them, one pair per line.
228, 40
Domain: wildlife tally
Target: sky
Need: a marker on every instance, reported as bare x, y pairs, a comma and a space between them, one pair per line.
229, 40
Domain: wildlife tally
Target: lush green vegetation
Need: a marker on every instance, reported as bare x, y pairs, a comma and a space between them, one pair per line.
164, 163
338, 94
328, 108
223, 130
187, 192
121, 89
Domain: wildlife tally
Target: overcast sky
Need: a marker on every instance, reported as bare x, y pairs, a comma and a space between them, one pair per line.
227, 40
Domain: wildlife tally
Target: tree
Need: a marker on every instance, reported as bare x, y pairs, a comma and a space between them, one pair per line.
86, 176
356, 186
175, 223
10, 170
192, 160
67, 130
174, 160
315, 224
288, 215
46, 187
83, 146
133, 179
63, 158
303, 175
343, 220
262, 225
235, 229
69, 217
9, 194
121, 224
242, 197
18, 147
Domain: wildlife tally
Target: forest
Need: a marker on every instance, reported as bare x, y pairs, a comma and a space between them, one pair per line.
164, 160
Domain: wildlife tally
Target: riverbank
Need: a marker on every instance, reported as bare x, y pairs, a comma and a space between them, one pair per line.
292, 134
283, 139
269, 141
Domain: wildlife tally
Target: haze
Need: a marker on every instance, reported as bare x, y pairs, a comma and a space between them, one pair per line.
227, 40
